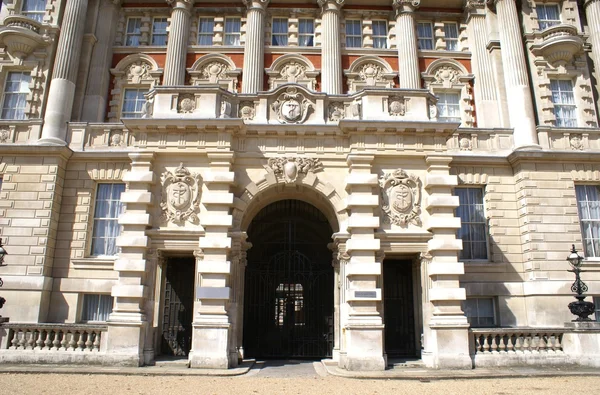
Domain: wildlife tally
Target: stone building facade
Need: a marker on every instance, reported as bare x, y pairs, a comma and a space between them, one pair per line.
344, 179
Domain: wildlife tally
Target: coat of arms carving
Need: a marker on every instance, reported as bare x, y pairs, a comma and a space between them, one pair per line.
401, 195
292, 107
181, 196
291, 168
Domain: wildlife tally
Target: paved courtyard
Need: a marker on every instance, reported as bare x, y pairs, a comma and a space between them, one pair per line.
279, 378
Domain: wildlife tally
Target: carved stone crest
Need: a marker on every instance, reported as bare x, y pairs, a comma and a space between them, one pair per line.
180, 197
116, 139
215, 71
336, 111
186, 104
292, 107
293, 71
292, 168
464, 142
371, 73
575, 142
401, 195
138, 71
397, 105
247, 110
446, 76
4, 135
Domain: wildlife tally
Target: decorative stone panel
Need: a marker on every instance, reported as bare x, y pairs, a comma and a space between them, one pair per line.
215, 69
369, 71
292, 68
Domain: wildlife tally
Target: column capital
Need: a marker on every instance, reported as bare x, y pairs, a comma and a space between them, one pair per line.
474, 6
185, 4
259, 5
590, 2
330, 5
405, 6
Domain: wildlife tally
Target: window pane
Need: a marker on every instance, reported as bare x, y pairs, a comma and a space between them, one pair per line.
206, 29
159, 31
451, 36
425, 35
133, 103
106, 228
34, 9
279, 32
306, 30
379, 34
353, 34
96, 307
563, 99
448, 107
133, 34
473, 230
548, 15
16, 90
588, 204
232, 31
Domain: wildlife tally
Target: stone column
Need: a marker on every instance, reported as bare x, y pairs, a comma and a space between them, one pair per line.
486, 93
331, 52
95, 99
212, 325
449, 340
364, 324
64, 74
406, 41
254, 49
179, 31
339, 261
592, 14
518, 91
236, 304
127, 323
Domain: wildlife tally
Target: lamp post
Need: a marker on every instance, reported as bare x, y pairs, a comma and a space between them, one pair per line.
3, 253
581, 308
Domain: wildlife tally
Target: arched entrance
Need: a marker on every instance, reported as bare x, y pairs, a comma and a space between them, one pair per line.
288, 295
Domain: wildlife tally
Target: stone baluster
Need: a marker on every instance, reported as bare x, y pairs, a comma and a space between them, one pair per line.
331, 52
485, 90
64, 74
254, 58
592, 14
406, 41
518, 91
178, 42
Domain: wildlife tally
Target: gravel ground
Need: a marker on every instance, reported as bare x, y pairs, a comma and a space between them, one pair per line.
65, 384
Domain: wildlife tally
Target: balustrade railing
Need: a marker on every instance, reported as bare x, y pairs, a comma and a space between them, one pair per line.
54, 337
517, 340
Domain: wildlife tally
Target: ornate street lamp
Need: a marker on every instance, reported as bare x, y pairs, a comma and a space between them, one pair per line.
581, 308
3, 253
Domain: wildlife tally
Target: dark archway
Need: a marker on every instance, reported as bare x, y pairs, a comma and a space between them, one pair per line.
288, 295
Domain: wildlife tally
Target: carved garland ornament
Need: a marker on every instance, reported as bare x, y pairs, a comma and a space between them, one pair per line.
401, 195
180, 197
291, 168
292, 107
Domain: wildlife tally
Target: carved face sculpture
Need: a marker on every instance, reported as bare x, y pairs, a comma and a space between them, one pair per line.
291, 110
180, 195
402, 198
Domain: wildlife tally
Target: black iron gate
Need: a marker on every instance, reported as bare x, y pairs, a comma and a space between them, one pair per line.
399, 309
176, 336
288, 302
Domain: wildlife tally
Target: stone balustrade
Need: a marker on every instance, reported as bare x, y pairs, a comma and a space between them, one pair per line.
517, 340
59, 338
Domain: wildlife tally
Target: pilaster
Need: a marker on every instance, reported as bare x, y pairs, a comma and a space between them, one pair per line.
518, 90
331, 52
64, 74
449, 340
340, 315
127, 323
254, 59
236, 305
406, 41
212, 322
178, 42
486, 93
364, 325
592, 14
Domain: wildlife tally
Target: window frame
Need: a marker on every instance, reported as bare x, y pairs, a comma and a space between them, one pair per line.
236, 34
210, 34
445, 94
562, 122
120, 210
85, 315
486, 231
379, 36
283, 36
311, 35
124, 98
544, 24
22, 112
129, 34
161, 34
595, 255
36, 15
430, 39
354, 36
494, 311
449, 40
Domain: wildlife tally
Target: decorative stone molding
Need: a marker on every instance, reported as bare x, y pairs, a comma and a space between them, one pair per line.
559, 44
186, 103
576, 142
369, 71
292, 106
397, 105
180, 195
336, 111
134, 71
215, 69
247, 110
292, 68
289, 169
401, 194
4, 136
22, 36
446, 75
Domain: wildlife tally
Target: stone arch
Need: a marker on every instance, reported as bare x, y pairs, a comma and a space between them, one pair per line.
257, 195
135, 71
215, 69
369, 71
292, 68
